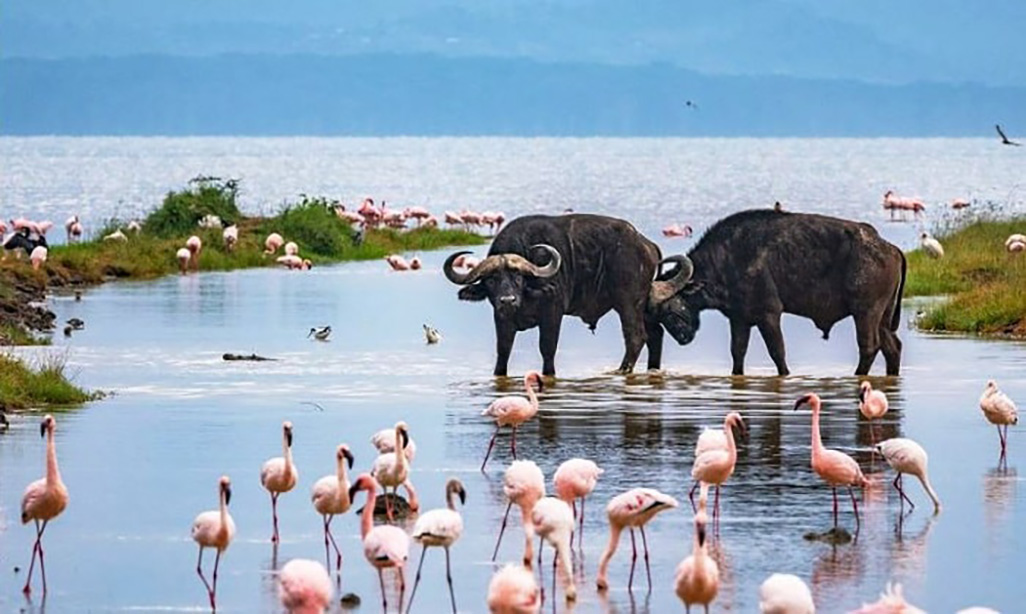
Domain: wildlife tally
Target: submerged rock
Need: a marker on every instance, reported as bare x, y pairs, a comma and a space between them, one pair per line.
350, 601
230, 356
400, 507
835, 536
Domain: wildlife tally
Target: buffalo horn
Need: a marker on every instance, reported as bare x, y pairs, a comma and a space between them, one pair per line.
663, 290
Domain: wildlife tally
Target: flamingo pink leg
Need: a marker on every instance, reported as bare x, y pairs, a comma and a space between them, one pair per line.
37, 547
691, 496
835, 508
648, 570
901, 491
505, 517
416, 580
199, 570
381, 581
448, 578
634, 559
327, 536
855, 508
274, 515
513, 443
213, 593
580, 538
489, 452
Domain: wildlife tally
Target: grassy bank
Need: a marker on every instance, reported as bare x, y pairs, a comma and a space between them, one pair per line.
39, 386
987, 285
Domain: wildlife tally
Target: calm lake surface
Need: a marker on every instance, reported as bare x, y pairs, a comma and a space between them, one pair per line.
142, 463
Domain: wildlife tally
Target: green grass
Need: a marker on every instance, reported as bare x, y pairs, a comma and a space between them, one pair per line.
986, 284
11, 334
44, 384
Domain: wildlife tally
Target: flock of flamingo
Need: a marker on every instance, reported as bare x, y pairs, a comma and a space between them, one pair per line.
305, 585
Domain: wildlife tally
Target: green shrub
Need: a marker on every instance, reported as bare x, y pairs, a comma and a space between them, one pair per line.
314, 227
42, 384
181, 211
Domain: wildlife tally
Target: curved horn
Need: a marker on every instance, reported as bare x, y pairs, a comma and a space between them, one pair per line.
451, 274
523, 265
663, 290
484, 268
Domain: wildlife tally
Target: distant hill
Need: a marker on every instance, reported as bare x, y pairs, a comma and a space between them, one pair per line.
385, 94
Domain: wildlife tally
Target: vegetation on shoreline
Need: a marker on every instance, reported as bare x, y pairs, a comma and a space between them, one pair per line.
986, 283
44, 384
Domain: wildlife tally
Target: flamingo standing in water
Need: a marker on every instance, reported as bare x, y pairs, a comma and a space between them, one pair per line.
440, 528
214, 529
907, 456
385, 546
554, 522
999, 410
715, 465
513, 411
873, 405
632, 509
784, 593
273, 243
513, 590
891, 602
698, 577
330, 496
524, 485
393, 470
384, 442
43, 500
575, 479
279, 474
304, 587
195, 245
183, 255
834, 467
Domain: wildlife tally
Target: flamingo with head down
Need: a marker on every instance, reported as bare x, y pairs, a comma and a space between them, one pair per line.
385, 546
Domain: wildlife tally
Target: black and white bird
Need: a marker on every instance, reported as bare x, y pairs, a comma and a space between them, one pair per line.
432, 335
320, 334
76, 324
1004, 139
4, 424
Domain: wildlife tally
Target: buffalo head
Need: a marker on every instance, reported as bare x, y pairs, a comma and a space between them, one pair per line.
670, 299
501, 278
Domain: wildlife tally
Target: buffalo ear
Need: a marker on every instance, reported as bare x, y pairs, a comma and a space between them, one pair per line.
473, 292
693, 287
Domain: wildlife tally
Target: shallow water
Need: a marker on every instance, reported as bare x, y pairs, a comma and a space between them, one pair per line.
142, 463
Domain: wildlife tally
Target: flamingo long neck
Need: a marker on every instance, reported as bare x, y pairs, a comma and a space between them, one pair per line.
450, 498
607, 555
525, 514
563, 552
286, 451
223, 508
53, 474
531, 396
367, 520
817, 442
731, 446
343, 481
400, 451
931, 492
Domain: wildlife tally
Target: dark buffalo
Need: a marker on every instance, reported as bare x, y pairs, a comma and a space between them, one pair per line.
755, 265
542, 267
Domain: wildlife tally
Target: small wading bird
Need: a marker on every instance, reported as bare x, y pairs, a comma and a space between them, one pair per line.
214, 529
43, 500
907, 456
554, 522
931, 246
432, 335
784, 593
575, 479
76, 323
698, 576
330, 496
524, 485
513, 411
632, 509
392, 470
873, 405
304, 587
440, 528
999, 410
835, 468
279, 475
1004, 139
715, 465
385, 546
320, 334
891, 602
513, 590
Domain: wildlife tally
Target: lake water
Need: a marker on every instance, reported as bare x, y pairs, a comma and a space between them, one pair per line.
142, 463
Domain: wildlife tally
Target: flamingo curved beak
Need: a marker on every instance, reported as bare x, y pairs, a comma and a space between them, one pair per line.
227, 494
349, 457
802, 401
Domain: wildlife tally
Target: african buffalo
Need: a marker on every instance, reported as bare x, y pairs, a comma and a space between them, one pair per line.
755, 265
541, 267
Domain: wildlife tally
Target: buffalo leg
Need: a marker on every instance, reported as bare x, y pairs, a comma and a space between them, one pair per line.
740, 333
548, 340
505, 333
632, 321
891, 347
654, 341
867, 335
773, 337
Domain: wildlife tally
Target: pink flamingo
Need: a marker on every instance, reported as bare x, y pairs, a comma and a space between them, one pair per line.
291, 249
230, 236
513, 411
1015, 243
524, 485
397, 262
452, 219
44, 227
415, 264
44, 500
330, 496
834, 467
195, 245
891, 602
893, 203
386, 546
632, 509
677, 231
873, 404
393, 470
279, 474
554, 522
513, 590
72, 227
907, 456
304, 587
784, 593
273, 243
183, 255
715, 466
999, 410
214, 529
697, 579
431, 222
385, 439
959, 203
575, 479
418, 213
440, 528
38, 257
295, 263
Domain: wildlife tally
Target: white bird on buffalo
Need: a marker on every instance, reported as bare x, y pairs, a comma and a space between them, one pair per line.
931, 246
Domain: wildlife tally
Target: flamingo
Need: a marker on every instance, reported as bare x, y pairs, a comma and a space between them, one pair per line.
632, 509
834, 467
1015, 243
440, 527
397, 262
279, 474
330, 496
698, 577
44, 500
907, 456
959, 203
891, 602
513, 411
195, 245
977, 610
872, 403
38, 256
716, 439
230, 236
931, 246
183, 255
415, 264
554, 522
385, 546
452, 219
576, 479
73, 228
893, 202
513, 590
714, 466
999, 410
524, 485
273, 243
291, 249
784, 593
677, 230
304, 587
393, 470
420, 214
214, 529
293, 262
384, 442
